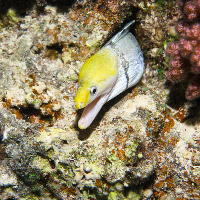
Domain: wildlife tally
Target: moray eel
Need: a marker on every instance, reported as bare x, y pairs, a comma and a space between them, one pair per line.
116, 67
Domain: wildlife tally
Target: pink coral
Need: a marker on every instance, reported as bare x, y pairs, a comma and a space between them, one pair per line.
193, 90
185, 53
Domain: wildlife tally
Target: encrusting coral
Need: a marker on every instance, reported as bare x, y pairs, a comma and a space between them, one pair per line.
185, 53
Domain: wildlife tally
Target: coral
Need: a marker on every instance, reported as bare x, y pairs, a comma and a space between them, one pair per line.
41, 3
185, 53
37, 101
193, 90
2, 126
139, 149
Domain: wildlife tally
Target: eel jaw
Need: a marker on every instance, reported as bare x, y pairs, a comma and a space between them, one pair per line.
91, 111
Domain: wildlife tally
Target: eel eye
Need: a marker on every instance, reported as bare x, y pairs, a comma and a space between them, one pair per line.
93, 90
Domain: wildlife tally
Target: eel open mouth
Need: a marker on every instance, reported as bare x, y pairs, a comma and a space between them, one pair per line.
91, 111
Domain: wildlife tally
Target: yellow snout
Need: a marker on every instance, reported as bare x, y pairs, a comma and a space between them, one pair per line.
82, 97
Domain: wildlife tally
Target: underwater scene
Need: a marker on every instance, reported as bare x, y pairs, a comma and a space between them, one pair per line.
100, 99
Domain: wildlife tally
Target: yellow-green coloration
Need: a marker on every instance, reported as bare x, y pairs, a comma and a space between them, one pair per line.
115, 195
42, 164
131, 149
96, 71
135, 194
132, 195
12, 16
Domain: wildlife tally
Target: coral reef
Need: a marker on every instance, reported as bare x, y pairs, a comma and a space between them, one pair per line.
2, 126
137, 148
185, 53
62, 43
